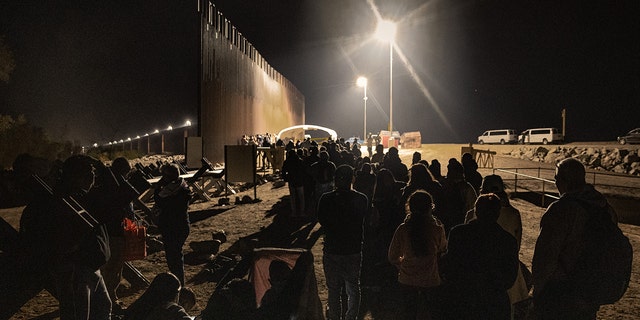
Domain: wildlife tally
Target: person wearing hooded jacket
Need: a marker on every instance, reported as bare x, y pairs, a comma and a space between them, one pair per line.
558, 248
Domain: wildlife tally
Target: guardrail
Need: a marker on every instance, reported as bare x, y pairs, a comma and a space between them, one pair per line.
519, 176
545, 177
484, 158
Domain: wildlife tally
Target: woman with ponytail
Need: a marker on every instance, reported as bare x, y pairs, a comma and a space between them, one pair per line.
415, 249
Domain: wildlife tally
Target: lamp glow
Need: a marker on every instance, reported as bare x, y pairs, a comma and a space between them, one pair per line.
362, 82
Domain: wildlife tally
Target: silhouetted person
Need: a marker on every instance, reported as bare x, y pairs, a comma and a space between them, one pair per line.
118, 209
480, 265
341, 214
159, 301
560, 243
355, 149
510, 220
379, 155
72, 251
323, 172
415, 250
365, 182
458, 196
421, 179
471, 173
393, 163
275, 303
388, 213
416, 157
309, 182
172, 197
293, 174
436, 170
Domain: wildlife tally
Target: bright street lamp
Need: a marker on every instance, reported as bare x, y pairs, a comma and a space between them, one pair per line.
362, 82
386, 31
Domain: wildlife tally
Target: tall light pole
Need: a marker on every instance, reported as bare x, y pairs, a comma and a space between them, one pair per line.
386, 31
362, 82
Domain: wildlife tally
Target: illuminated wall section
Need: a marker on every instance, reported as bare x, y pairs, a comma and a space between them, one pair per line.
240, 92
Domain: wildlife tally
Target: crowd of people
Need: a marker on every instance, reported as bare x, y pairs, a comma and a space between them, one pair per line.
448, 243
72, 236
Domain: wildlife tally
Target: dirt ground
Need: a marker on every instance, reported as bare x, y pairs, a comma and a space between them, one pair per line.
265, 223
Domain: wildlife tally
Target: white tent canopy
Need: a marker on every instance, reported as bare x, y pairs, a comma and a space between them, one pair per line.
298, 132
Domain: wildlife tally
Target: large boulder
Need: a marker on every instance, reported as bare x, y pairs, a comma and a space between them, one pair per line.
619, 169
631, 158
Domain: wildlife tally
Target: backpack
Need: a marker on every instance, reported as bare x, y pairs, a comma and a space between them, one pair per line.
603, 269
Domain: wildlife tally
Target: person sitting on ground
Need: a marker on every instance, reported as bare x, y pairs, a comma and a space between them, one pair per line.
275, 304
234, 301
159, 301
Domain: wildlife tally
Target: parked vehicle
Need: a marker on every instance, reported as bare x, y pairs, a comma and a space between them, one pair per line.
632, 136
541, 135
501, 136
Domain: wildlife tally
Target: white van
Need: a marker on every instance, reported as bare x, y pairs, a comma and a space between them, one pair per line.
501, 136
541, 135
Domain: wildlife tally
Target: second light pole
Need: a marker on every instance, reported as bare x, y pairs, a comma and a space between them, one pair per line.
386, 31
362, 82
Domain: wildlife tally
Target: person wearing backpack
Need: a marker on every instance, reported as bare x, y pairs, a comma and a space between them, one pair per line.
581, 254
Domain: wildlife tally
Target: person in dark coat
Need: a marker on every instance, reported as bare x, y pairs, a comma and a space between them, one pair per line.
323, 172
341, 214
458, 196
172, 196
436, 170
365, 182
562, 239
309, 182
393, 163
471, 173
479, 267
293, 174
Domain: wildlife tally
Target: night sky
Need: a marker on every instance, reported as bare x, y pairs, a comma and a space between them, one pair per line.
103, 71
